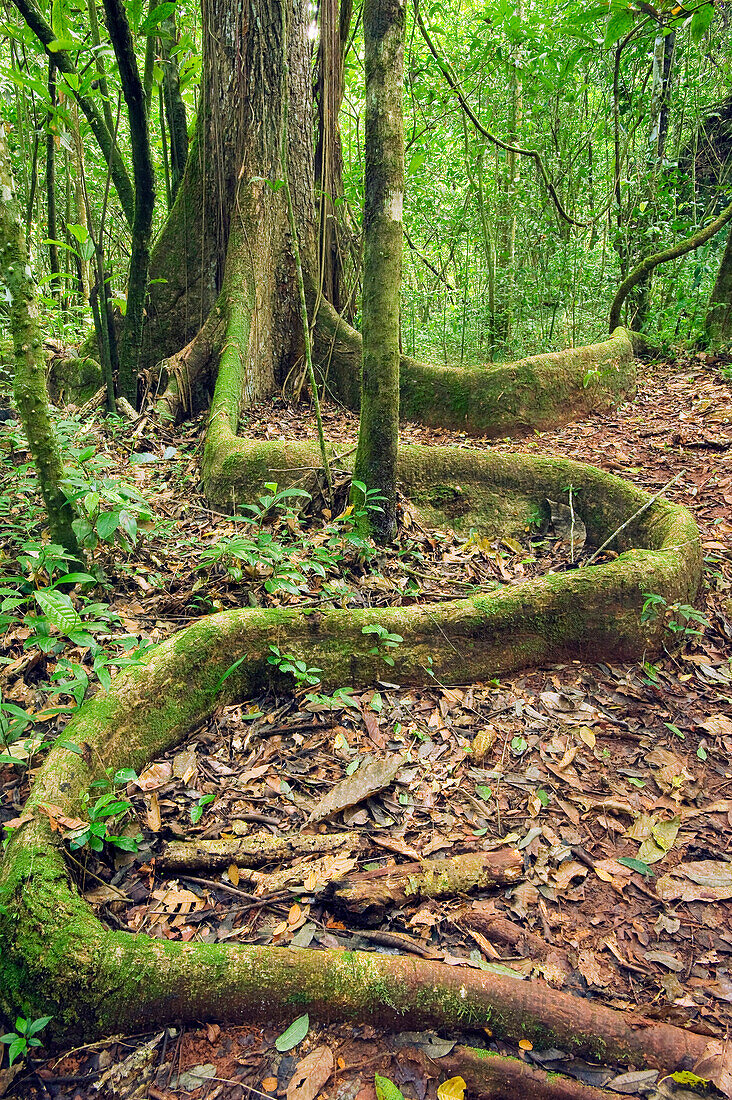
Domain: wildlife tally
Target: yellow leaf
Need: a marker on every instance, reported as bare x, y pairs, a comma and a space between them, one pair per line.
586, 735
294, 915
270, 1084
233, 874
483, 743
280, 929
525, 1044
686, 1077
453, 1089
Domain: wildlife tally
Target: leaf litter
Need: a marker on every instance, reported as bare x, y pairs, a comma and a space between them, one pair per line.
613, 782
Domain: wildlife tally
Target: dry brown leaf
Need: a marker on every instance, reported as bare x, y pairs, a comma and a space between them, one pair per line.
312, 1074
152, 813
567, 872
366, 781
156, 775
483, 742
184, 765
702, 880
718, 725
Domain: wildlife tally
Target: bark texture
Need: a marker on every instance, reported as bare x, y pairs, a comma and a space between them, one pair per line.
230, 186
31, 394
130, 345
718, 321
378, 433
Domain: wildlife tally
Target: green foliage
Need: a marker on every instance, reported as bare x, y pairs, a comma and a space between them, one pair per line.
25, 1036
680, 619
102, 817
385, 641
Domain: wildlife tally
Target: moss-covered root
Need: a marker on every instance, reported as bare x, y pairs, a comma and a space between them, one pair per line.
493, 1075
57, 958
541, 392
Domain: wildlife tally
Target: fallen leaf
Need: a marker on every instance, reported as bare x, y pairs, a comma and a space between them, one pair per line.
452, 1089
157, 775
184, 765
311, 1074
366, 781
702, 880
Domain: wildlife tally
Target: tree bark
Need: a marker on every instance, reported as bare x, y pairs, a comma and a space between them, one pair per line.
31, 395
718, 321
369, 893
55, 284
175, 108
130, 344
230, 185
378, 435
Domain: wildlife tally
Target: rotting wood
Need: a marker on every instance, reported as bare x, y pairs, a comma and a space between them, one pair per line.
250, 851
482, 918
392, 887
500, 1078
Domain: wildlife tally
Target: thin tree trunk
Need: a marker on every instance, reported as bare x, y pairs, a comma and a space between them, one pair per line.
378, 437
31, 395
131, 339
100, 129
175, 108
55, 284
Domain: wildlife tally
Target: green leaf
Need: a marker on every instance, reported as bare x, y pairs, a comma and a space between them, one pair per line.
636, 865
59, 610
701, 21
157, 15
107, 524
295, 1034
485, 792
618, 27
386, 1089
38, 1025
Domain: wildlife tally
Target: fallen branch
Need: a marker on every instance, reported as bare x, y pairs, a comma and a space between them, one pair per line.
636, 515
501, 1078
392, 887
250, 851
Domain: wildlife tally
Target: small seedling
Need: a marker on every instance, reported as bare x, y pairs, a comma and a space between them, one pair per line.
24, 1037
384, 641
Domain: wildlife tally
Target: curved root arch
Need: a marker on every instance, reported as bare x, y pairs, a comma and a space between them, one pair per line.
56, 957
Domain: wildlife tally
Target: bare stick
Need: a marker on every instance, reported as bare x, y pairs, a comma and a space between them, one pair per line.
641, 510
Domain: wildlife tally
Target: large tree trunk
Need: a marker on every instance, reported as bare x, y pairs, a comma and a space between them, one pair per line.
718, 321
230, 198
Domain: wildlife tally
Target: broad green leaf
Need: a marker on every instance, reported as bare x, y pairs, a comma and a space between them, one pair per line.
636, 865
157, 15
386, 1089
59, 610
294, 1034
701, 21
107, 524
618, 27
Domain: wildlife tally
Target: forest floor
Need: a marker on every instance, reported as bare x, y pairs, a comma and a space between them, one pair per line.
613, 781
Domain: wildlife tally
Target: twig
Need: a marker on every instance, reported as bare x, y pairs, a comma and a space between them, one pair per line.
643, 508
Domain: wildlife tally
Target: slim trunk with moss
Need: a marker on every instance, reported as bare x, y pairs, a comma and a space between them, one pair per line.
378, 436
718, 321
31, 395
131, 339
51, 183
175, 108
